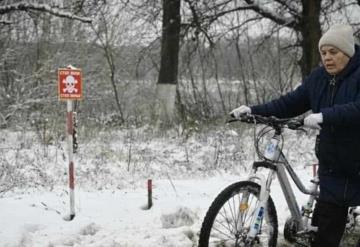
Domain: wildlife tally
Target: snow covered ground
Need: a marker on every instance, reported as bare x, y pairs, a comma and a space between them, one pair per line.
116, 218
110, 211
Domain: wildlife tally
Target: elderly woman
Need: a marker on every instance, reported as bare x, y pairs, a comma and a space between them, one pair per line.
332, 92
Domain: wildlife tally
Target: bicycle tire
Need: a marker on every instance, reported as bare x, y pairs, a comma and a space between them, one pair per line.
226, 198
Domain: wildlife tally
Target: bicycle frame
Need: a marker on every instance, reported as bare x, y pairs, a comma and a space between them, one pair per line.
277, 164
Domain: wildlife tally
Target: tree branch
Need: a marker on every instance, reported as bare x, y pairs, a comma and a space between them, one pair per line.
290, 6
43, 8
220, 14
5, 22
263, 11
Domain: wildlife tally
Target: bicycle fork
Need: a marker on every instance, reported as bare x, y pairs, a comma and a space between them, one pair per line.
259, 213
255, 225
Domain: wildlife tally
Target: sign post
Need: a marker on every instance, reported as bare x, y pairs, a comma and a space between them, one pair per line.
69, 89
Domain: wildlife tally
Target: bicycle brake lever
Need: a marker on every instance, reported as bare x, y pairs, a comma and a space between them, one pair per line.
231, 120
234, 119
295, 124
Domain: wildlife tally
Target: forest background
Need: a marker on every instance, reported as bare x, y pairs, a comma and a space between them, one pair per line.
159, 79
229, 53
210, 56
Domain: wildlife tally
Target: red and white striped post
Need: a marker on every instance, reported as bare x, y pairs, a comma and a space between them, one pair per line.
70, 89
70, 130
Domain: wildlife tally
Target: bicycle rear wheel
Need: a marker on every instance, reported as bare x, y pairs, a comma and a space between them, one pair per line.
219, 228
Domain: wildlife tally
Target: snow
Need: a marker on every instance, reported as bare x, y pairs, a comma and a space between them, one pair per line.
112, 210
116, 218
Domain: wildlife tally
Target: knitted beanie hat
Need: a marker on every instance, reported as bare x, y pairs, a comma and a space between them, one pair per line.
341, 37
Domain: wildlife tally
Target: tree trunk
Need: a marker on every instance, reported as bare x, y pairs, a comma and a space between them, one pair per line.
242, 76
310, 30
170, 43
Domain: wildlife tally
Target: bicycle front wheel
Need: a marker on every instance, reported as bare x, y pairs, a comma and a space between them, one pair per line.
229, 217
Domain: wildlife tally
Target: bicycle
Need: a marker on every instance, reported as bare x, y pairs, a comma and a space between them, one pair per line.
244, 213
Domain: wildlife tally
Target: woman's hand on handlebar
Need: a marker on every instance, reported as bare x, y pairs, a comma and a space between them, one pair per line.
237, 112
314, 120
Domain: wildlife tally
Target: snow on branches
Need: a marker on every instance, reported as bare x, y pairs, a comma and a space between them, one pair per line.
23, 6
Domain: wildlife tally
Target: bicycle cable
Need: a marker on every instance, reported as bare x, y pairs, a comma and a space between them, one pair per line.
257, 139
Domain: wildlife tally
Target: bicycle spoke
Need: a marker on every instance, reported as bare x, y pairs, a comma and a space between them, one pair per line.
233, 212
233, 217
227, 221
223, 233
248, 215
239, 217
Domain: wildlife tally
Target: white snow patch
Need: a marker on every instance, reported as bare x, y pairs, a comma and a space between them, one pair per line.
181, 217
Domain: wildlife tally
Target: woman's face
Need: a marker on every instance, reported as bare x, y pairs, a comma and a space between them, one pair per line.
333, 59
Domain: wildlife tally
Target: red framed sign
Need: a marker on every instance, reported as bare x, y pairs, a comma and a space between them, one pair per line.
69, 84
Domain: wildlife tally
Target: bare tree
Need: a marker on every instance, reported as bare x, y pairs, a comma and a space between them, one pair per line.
170, 43
202, 40
28, 54
108, 36
302, 17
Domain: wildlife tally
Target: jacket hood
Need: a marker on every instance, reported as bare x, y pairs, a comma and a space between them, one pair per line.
354, 63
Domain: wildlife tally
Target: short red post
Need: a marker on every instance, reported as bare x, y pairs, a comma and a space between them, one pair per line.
314, 170
149, 185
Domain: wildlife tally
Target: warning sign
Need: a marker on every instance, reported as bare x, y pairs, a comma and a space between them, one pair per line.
69, 84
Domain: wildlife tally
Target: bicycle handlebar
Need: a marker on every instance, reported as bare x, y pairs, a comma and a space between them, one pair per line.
272, 121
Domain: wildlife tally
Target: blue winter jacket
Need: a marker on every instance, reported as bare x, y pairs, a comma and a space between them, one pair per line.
338, 99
